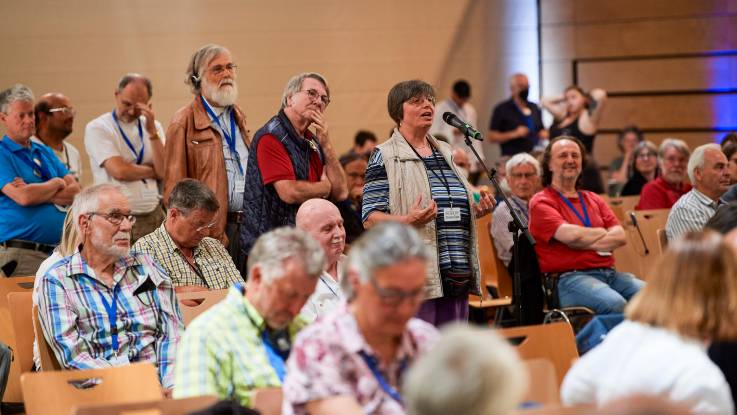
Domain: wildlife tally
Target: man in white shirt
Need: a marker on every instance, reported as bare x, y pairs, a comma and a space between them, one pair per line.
54, 122
126, 147
321, 219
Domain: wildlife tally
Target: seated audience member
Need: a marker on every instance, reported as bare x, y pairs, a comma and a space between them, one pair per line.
321, 220
54, 122
671, 184
660, 348
125, 147
620, 168
730, 151
644, 168
576, 233
353, 360
729, 138
32, 180
363, 144
707, 170
194, 261
473, 381
241, 343
104, 305
354, 166
523, 177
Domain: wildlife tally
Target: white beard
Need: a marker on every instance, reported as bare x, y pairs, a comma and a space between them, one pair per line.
221, 96
112, 250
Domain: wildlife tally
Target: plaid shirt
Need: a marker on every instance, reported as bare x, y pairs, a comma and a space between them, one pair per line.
76, 322
222, 353
213, 262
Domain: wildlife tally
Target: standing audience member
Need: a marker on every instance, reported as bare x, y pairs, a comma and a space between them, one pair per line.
660, 349
33, 180
290, 164
353, 360
207, 140
125, 147
523, 176
363, 144
517, 123
412, 179
193, 261
105, 305
576, 233
644, 168
708, 172
460, 354
54, 122
671, 184
620, 168
354, 166
321, 220
241, 343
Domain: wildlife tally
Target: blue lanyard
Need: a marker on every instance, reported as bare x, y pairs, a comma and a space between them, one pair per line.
328, 285
139, 156
112, 315
36, 165
275, 360
373, 364
229, 138
585, 218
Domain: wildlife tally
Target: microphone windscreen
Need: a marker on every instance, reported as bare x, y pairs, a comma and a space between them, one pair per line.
447, 116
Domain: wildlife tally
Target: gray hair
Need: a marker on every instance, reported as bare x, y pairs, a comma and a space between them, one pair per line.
697, 158
522, 158
17, 92
678, 145
132, 77
460, 354
403, 92
274, 248
191, 194
197, 65
295, 85
88, 200
384, 245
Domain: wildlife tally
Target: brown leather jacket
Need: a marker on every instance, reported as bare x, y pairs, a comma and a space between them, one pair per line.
194, 149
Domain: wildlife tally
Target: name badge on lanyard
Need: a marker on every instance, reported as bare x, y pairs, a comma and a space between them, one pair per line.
229, 138
138, 154
452, 214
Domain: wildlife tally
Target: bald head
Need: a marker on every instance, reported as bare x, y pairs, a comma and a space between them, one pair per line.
54, 117
321, 219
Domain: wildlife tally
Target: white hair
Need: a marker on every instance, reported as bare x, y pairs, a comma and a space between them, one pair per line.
88, 200
470, 371
17, 92
274, 248
678, 145
295, 84
522, 158
697, 159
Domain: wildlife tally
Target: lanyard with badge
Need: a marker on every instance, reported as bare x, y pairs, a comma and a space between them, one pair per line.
39, 170
585, 220
229, 138
373, 365
450, 214
112, 315
138, 154
276, 353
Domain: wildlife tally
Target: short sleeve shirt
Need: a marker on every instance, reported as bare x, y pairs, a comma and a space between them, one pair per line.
275, 164
507, 116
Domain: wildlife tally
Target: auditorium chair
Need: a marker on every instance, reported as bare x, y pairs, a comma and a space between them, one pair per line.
621, 204
543, 383
46, 354
204, 299
493, 275
21, 314
160, 407
9, 285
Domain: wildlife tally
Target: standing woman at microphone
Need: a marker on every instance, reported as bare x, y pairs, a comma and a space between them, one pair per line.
411, 178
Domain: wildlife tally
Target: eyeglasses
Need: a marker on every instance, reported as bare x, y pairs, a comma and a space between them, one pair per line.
220, 69
314, 95
205, 227
116, 218
419, 99
523, 175
64, 110
392, 298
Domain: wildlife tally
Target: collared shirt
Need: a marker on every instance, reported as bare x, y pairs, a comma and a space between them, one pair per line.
327, 296
659, 194
500, 233
326, 362
215, 269
222, 353
690, 213
236, 179
74, 317
68, 156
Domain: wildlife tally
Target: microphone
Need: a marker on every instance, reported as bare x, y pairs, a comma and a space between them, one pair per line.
465, 128
637, 226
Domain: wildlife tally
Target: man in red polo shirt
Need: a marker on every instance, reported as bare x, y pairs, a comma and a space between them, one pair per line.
666, 189
576, 233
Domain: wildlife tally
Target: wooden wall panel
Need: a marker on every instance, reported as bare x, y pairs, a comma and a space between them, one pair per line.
690, 111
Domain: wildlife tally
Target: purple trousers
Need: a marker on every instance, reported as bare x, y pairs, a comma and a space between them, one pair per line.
440, 311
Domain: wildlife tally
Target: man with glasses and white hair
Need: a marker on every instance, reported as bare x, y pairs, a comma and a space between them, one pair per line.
671, 184
708, 171
353, 360
241, 344
105, 305
32, 181
290, 164
54, 122
208, 140
180, 245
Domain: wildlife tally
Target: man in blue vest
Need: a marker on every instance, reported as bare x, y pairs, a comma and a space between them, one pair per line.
33, 180
289, 164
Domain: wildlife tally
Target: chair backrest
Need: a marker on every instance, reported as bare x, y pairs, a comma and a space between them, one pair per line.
554, 342
58, 392
268, 401
662, 240
7, 334
204, 300
21, 312
620, 205
162, 406
492, 268
46, 355
645, 249
543, 383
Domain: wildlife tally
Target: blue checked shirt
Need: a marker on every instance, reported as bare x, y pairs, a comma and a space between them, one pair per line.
77, 324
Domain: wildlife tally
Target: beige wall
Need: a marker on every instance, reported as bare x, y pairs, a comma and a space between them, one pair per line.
82, 47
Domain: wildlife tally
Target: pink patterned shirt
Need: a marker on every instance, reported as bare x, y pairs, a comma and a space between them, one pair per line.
326, 362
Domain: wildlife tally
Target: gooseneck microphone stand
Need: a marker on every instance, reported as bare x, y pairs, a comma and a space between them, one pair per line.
516, 226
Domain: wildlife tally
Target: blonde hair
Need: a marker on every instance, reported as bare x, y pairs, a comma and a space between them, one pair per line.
69, 236
694, 289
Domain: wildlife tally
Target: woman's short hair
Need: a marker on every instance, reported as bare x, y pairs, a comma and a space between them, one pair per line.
403, 92
547, 176
640, 148
693, 289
